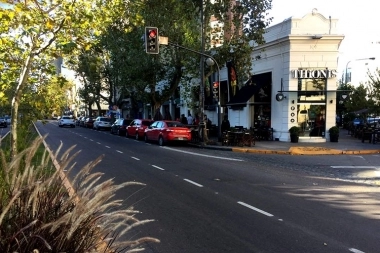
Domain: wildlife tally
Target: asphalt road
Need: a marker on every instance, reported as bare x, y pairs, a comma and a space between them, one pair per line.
217, 201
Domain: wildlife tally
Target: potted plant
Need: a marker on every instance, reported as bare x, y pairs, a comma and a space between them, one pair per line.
334, 133
294, 133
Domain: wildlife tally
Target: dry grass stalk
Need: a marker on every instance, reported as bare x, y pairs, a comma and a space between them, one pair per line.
38, 215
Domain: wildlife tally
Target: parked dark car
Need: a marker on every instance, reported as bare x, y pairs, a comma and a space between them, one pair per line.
77, 121
137, 128
82, 121
119, 126
165, 131
89, 122
3, 122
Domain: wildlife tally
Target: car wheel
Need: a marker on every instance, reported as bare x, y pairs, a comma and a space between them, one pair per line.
146, 138
118, 132
161, 141
137, 136
126, 134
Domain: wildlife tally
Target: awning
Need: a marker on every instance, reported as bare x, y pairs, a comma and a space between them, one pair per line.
251, 87
243, 95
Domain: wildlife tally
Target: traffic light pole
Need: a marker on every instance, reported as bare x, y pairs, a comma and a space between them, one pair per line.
202, 109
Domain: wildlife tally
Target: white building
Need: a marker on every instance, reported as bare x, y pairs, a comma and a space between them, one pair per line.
294, 80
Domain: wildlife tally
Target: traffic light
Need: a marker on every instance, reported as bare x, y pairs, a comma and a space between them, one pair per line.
151, 40
215, 90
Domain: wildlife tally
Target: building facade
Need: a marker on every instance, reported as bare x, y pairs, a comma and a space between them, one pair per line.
293, 82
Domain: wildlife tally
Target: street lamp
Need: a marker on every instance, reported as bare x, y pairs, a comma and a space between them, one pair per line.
362, 59
210, 62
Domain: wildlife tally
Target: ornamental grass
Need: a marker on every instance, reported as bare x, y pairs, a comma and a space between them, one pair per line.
40, 211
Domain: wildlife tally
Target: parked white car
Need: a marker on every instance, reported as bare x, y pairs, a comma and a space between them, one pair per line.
102, 123
66, 121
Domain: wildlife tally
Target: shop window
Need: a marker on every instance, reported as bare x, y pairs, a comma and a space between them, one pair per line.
311, 106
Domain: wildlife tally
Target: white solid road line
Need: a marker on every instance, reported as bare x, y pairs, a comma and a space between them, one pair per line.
157, 167
135, 158
210, 156
119, 151
255, 209
356, 167
192, 182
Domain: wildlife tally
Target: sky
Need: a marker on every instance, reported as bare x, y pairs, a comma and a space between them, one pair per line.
358, 21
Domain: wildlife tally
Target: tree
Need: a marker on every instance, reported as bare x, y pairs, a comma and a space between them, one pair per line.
374, 89
161, 75
34, 33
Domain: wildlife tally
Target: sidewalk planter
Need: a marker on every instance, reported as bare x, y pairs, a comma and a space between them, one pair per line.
334, 134
294, 132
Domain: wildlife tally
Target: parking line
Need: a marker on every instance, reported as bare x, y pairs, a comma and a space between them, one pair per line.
119, 151
192, 182
255, 209
107, 146
135, 158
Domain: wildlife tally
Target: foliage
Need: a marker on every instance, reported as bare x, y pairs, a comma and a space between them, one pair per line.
358, 99
334, 130
295, 130
156, 78
35, 33
39, 212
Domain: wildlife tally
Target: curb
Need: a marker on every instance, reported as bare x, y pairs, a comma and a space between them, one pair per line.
293, 150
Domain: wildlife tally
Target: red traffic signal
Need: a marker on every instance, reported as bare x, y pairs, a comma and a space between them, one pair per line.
151, 40
215, 90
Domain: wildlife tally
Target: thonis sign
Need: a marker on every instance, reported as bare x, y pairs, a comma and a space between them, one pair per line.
314, 73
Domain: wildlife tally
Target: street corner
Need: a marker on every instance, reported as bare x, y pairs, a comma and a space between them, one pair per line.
314, 151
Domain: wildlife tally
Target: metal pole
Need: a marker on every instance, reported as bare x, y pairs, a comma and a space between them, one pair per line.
370, 58
345, 79
202, 124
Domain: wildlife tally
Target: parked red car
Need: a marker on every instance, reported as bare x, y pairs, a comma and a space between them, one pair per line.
137, 128
165, 131
89, 123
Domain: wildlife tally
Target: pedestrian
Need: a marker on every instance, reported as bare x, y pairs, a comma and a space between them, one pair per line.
183, 119
189, 119
196, 120
225, 124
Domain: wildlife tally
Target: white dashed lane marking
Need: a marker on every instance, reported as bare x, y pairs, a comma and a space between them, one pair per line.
356, 250
157, 167
255, 209
192, 182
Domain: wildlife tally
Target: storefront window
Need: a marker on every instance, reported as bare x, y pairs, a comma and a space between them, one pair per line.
311, 106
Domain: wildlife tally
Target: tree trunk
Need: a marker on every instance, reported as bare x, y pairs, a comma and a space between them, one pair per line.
15, 103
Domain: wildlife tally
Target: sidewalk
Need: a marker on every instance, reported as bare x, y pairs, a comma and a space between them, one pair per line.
346, 144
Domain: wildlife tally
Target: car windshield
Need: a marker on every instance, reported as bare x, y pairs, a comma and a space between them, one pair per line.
105, 119
175, 124
65, 117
